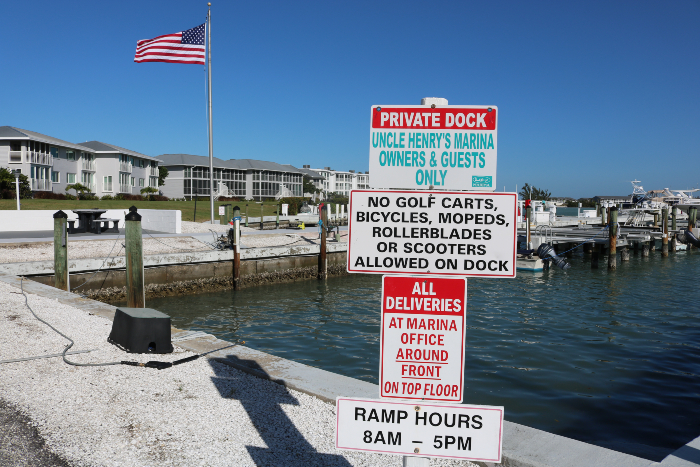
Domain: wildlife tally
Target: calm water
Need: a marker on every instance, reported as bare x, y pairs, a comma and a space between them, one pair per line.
607, 358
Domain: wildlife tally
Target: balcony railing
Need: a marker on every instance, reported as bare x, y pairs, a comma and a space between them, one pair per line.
125, 167
41, 185
154, 172
16, 156
39, 158
91, 187
124, 188
89, 165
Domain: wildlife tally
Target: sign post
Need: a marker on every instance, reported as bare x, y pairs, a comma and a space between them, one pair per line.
427, 243
422, 338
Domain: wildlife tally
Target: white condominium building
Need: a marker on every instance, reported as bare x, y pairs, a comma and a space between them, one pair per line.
51, 163
337, 181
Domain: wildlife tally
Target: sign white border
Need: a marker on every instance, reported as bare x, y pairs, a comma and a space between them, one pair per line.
351, 215
412, 431
460, 177
462, 341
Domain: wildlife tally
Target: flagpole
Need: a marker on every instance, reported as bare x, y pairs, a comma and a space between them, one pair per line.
211, 141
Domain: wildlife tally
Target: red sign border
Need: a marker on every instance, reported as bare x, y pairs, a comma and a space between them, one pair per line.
488, 193
462, 352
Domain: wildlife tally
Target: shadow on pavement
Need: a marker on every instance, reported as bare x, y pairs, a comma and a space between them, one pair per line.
286, 445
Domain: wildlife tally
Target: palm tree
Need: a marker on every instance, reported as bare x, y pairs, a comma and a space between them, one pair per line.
79, 189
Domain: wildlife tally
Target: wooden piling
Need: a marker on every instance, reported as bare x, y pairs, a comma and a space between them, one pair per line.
624, 253
261, 216
528, 213
246, 215
322, 263
237, 248
612, 235
603, 216
135, 289
279, 206
674, 243
664, 238
594, 256
60, 251
656, 219
692, 218
674, 212
645, 249
652, 245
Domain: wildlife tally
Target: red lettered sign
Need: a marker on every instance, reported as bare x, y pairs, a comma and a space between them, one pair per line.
422, 338
455, 118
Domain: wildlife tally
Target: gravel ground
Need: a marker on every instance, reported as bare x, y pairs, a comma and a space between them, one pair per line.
98, 249
200, 413
198, 227
102, 248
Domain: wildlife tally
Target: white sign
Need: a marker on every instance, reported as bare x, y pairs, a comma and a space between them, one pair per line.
422, 338
472, 432
449, 147
432, 232
222, 210
285, 209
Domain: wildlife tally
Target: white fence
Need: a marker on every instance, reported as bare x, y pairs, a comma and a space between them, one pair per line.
168, 221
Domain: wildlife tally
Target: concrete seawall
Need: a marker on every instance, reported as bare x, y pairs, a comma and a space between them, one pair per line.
179, 273
522, 446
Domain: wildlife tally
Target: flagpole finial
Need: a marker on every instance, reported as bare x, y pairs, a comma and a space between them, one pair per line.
209, 4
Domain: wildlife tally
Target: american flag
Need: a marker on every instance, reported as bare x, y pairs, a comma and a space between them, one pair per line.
181, 47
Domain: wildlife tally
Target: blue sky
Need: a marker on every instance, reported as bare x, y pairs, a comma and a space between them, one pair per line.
591, 94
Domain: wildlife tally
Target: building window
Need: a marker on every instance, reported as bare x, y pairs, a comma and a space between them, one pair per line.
71, 178
141, 182
188, 172
107, 183
133, 181
154, 182
70, 155
54, 152
56, 176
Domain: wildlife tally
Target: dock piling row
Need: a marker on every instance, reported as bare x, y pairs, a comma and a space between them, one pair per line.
60, 251
612, 235
135, 288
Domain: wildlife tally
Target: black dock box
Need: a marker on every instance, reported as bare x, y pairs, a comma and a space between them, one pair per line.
141, 330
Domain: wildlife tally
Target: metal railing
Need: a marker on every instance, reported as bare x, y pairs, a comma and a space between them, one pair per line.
39, 158
41, 185
89, 165
125, 167
16, 156
124, 188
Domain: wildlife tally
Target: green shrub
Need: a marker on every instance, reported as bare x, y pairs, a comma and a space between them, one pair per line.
48, 195
107, 198
294, 204
69, 196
